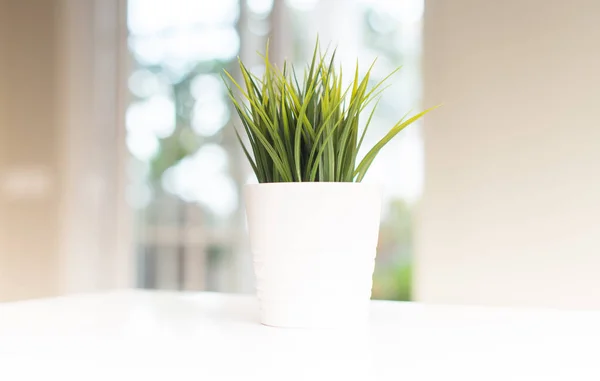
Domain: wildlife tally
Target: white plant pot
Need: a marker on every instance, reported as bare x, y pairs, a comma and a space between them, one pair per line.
314, 247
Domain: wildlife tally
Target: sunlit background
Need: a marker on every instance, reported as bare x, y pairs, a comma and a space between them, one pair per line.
186, 163
119, 166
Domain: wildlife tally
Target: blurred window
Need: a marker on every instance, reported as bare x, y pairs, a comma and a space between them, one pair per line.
186, 168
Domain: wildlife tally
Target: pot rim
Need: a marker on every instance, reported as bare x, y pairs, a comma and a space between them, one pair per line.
314, 184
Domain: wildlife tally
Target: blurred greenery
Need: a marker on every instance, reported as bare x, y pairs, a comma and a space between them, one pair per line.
393, 273
393, 283
184, 141
392, 278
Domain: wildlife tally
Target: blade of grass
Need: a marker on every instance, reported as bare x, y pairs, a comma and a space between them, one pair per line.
366, 162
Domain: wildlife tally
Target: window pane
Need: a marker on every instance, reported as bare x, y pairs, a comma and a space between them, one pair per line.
187, 168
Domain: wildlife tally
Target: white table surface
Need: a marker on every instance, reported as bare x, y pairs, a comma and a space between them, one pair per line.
142, 335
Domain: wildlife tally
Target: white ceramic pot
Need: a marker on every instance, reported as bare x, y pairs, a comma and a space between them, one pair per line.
314, 247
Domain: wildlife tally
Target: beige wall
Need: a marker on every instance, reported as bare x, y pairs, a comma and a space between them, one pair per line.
28, 150
63, 225
511, 207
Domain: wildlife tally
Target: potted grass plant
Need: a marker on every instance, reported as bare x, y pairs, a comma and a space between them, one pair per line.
313, 224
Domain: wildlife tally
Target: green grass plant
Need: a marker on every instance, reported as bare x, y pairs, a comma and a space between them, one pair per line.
308, 130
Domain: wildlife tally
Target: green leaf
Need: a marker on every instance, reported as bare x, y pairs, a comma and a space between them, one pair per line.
364, 165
